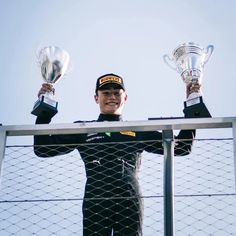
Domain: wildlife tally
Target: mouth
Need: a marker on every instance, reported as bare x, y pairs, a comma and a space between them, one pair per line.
111, 103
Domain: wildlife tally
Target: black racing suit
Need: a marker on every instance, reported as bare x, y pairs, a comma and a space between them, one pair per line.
112, 201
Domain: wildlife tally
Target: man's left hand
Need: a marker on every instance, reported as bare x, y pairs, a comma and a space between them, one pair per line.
193, 88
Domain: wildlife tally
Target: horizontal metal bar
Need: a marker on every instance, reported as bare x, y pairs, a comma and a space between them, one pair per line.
91, 127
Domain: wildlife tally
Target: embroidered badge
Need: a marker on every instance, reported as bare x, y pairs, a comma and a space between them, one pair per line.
108, 134
129, 133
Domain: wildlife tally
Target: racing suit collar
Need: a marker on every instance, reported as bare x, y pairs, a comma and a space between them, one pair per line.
109, 117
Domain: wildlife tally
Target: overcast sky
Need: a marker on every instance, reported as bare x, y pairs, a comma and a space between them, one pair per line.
126, 37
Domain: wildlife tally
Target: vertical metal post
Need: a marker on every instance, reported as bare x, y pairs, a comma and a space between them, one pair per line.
234, 148
168, 144
2, 148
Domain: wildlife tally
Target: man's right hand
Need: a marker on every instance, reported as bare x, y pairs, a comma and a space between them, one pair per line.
46, 88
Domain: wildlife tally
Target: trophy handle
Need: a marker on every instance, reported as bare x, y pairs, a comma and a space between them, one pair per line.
167, 60
209, 51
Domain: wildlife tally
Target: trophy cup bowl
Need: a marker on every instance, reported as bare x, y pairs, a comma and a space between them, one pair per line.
189, 60
53, 62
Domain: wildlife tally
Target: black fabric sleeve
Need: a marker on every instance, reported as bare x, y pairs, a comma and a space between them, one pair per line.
183, 141
54, 145
152, 142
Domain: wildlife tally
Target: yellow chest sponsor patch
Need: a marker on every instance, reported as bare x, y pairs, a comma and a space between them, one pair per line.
129, 133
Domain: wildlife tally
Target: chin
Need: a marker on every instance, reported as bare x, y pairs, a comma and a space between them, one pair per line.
112, 113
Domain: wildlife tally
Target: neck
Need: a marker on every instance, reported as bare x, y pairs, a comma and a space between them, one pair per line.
109, 117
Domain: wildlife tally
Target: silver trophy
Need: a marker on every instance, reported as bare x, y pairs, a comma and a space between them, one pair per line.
189, 60
53, 62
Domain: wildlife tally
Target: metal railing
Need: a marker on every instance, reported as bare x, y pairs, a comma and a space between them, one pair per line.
167, 126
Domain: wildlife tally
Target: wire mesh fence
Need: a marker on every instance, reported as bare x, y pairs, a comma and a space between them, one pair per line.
44, 196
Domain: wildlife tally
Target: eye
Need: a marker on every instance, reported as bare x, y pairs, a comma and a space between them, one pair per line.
106, 93
117, 94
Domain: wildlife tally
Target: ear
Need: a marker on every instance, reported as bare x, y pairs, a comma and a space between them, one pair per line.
126, 97
96, 98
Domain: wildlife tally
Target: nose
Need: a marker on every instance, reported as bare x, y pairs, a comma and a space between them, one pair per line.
112, 95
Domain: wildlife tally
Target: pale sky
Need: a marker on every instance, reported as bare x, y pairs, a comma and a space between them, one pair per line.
126, 37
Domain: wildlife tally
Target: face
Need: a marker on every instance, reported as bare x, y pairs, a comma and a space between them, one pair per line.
111, 100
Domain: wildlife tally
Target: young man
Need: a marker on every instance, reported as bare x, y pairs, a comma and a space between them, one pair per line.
112, 203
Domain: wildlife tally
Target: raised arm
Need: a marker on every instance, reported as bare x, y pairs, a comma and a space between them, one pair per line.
52, 145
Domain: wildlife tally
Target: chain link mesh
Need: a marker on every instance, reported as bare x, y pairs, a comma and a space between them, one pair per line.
44, 196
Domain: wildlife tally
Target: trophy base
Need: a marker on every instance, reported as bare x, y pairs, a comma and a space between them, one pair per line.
195, 108
45, 106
